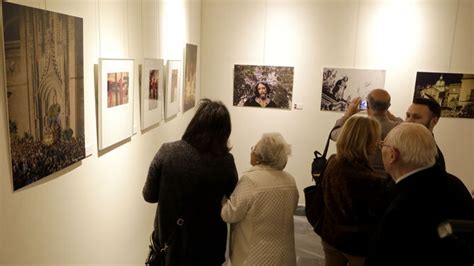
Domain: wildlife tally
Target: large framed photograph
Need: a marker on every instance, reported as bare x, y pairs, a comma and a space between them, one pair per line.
173, 83
115, 101
341, 85
45, 91
190, 66
453, 91
151, 107
263, 86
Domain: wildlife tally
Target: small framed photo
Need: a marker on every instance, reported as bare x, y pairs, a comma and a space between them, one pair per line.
151, 107
115, 101
173, 85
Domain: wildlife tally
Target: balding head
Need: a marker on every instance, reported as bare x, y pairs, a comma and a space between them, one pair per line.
408, 146
379, 101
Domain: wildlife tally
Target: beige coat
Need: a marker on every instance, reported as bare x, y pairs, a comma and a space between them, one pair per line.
261, 212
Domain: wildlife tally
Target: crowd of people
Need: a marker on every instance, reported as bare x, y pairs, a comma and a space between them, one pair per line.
33, 159
386, 190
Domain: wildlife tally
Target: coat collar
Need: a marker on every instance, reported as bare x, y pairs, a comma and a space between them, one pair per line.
261, 167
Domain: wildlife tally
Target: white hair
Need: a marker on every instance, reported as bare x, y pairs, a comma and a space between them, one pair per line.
415, 143
273, 150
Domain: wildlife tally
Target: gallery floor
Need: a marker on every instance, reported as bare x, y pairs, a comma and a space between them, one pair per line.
309, 250
308, 245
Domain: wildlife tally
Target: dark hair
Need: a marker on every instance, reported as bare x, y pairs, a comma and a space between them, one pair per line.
264, 84
434, 107
377, 105
210, 128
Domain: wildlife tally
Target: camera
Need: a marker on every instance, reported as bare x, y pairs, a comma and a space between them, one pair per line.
363, 105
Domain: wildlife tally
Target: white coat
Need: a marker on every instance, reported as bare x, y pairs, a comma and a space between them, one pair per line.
261, 212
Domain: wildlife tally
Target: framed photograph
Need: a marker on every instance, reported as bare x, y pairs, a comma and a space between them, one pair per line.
263, 86
173, 83
453, 91
45, 91
189, 89
151, 107
115, 101
341, 85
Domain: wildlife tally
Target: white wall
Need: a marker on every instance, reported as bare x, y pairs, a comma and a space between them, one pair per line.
93, 212
402, 37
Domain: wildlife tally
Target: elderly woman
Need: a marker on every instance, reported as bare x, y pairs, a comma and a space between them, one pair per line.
261, 208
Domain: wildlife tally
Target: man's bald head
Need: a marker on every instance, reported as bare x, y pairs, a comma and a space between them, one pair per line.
379, 100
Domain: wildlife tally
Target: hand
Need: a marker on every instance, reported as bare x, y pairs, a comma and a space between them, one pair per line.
353, 107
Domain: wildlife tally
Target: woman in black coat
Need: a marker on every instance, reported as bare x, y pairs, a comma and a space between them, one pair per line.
188, 178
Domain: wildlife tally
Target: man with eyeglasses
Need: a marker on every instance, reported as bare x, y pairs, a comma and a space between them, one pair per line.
424, 196
378, 102
426, 112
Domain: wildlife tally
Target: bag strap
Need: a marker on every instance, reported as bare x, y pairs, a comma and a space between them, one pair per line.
327, 142
167, 244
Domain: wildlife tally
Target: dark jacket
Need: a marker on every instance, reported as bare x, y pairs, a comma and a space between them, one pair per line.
191, 185
355, 199
407, 234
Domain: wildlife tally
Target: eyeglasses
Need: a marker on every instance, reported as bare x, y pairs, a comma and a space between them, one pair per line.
381, 144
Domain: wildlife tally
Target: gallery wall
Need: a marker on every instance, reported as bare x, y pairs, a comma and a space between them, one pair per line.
93, 212
401, 37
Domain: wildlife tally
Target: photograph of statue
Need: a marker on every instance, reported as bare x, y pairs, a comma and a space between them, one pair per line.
263, 86
45, 91
154, 76
189, 92
340, 85
453, 91
173, 83
117, 88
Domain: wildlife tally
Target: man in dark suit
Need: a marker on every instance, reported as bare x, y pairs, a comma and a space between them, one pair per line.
424, 196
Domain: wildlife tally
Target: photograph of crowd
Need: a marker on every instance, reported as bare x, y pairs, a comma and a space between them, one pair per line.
263, 86
454, 92
341, 85
45, 97
117, 88
190, 66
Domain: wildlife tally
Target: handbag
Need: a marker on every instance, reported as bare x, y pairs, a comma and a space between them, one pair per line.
314, 198
320, 161
157, 253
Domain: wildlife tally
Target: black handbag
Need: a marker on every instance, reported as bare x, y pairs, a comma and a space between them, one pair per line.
314, 198
157, 252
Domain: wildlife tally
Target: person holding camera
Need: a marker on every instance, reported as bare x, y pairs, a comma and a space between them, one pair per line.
378, 102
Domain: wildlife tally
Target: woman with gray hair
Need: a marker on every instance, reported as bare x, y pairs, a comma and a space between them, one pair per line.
261, 207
